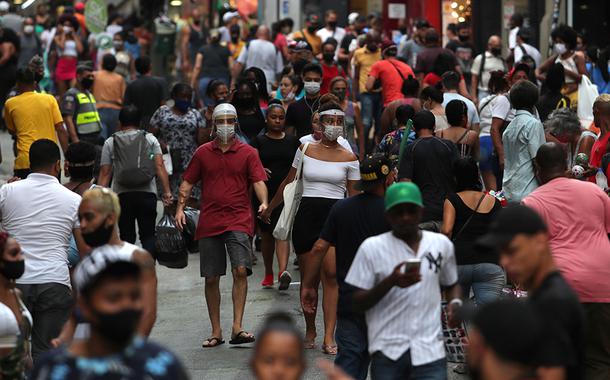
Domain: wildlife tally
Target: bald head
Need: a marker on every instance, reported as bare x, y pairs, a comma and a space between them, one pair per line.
550, 162
494, 43
263, 33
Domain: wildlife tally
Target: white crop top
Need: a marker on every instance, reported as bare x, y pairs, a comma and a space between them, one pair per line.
70, 49
326, 179
9, 329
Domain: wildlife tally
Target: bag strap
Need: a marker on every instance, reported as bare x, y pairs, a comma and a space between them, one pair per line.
300, 167
462, 137
487, 103
482, 67
454, 237
399, 73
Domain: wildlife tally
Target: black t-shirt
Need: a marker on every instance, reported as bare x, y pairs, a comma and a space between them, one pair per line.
563, 320
277, 156
349, 223
428, 162
298, 115
146, 93
251, 125
141, 360
215, 61
345, 42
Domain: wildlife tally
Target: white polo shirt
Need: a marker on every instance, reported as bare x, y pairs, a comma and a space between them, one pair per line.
40, 214
406, 318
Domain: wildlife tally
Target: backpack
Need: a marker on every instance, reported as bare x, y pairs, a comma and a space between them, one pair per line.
132, 161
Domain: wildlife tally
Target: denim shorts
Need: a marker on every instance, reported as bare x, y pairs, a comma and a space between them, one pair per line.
486, 149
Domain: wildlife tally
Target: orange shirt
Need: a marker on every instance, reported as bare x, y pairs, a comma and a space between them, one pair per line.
108, 89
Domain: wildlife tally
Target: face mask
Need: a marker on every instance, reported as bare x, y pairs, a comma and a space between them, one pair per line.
225, 132
234, 39
38, 77
132, 39
332, 132
312, 88
99, 236
463, 38
118, 327
328, 57
289, 96
560, 49
87, 83
28, 29
117, 44
312, 29
340, 94
12, 270
182, 105
372, 48
496, 51
67, 29
332, 24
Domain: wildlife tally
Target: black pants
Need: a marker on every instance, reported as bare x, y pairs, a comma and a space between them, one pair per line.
141, 207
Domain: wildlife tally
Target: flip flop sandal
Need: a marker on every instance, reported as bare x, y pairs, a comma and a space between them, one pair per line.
329, 350
309, 345
242, 337
212, 342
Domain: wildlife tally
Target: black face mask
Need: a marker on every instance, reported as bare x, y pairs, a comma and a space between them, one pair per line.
12, 270
464, 38
299, 65
312, 28
496, 51
328, 57
332, 24
38, 77
87, 83
372, 48
99, 236
244, 102
118, 327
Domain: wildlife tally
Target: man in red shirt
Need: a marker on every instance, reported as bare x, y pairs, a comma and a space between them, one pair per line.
226, 168
601, 118
391, 72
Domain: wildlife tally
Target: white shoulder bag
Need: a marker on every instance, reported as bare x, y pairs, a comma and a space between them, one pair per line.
292, 198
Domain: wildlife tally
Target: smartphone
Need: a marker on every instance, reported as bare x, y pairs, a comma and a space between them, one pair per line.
412, 265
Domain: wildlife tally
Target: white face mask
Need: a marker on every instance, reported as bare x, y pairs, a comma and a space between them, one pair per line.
67, 29
289, 96
332, 132
312, 88
225, 132
28, 29
560, 48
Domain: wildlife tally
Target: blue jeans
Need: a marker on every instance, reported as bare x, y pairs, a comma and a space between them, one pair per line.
486, 281
371, 112
110, 121
384, 368
352, 346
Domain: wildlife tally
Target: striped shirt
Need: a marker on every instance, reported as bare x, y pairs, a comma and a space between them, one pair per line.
406, 318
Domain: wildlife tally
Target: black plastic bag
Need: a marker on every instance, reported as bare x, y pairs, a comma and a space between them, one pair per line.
170, 245
190, 229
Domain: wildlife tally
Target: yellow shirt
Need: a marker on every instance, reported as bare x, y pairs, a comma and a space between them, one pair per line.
31, 116
365, 58
235, 49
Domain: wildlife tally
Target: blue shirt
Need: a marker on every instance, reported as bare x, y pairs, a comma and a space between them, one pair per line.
521, 140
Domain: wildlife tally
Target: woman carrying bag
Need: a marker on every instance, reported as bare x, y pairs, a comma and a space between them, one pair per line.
329, 171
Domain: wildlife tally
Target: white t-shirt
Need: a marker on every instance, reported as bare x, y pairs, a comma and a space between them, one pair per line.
485, 107
406, 318
325, 179
512, 37
530, 50
492, 63
473, 114
264, 55
41, 215
337, 34
341, 141
502, 109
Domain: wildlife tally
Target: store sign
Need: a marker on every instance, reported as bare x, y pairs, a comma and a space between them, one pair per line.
285, 9
96, 16
397, 11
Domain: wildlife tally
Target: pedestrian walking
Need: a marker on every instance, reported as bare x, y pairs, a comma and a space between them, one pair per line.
133, 159
463, 48
410, 48
227, 168
260, 53
147, 93
30, 44
108, 90
318, 131
565, 126
69, 47
330, 67
354, 129
391, 72
331, 30
431, 99
287, 91
428, 56
192, 38
411, 98
212, 61
551, 97
601, 114
299, 114
391, 143
451, 82
483, 65
249, 114
308, 34
465, 139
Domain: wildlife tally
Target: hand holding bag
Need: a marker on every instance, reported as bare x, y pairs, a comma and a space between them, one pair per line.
292, 198
587, 93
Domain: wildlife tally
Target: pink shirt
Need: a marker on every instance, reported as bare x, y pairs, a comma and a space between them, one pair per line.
578, 217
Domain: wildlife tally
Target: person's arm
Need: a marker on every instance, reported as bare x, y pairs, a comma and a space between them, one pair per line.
7, 50
184, 48
83, 248
359, 129
149, 291
60, 40
476, 146
463, 90
163, 177
311, 271
184, 193
551, 373
104, 177
195, 74
351, 188
546, 65
235, 72
79, 45
496, 138
586, 145
260, 189
356, 81
279, 194
370, 83
474, 85
62, 136
448, 219
579, 59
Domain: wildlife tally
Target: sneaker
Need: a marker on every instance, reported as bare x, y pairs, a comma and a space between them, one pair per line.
267, 282
285, 279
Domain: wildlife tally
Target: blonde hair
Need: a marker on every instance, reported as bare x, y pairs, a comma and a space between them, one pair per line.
106, 200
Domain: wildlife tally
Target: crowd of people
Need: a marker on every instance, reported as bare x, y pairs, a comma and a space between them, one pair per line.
420, 185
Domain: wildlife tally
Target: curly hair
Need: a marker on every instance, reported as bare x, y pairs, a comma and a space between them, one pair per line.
563, 122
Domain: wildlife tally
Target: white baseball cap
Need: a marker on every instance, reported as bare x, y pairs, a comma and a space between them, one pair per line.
352, 17
229, 15
4, 6
224, 109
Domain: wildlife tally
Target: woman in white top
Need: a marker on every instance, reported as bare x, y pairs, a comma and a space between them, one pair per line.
317, 133
432, 100
573, 62
15, 319
329, 172
69, 47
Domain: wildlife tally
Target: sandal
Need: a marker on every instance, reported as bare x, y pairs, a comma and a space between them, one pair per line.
212, 342
242, 337
309, 344
329, 349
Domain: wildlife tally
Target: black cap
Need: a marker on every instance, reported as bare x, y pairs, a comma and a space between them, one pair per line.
422, 23
512, 329
513, 220
374, 168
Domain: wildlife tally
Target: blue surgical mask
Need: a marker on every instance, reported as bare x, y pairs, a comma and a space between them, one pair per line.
182, 105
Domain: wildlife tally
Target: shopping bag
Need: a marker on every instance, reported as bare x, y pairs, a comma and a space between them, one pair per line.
292, 198
190, 228
170, 245
587, 93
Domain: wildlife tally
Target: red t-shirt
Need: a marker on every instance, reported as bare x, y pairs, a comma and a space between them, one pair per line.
597, 152
328, 74
391, 82
225, 183
431, 79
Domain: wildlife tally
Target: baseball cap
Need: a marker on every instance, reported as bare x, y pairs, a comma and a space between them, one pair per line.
402, 192
79, 7
374, 168
4, 6
300, 45
511, 221
313, 18
229, 15
387, 44
352, 17
93, 266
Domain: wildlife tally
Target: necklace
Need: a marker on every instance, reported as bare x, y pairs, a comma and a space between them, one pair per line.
311, 107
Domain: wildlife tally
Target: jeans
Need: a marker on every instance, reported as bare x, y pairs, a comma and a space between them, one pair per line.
50, 305
138, 206
352, 346
384, 368
485, 279
110, 121
371, 112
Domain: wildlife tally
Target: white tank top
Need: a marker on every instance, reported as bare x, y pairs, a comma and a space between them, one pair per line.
9, 328
568, 64
70, 49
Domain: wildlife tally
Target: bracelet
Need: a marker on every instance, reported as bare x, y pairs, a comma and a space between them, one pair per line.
456, 301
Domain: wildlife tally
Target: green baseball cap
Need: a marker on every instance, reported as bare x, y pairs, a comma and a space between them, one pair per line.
402, 192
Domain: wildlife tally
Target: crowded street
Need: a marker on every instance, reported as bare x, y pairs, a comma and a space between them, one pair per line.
300, 189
